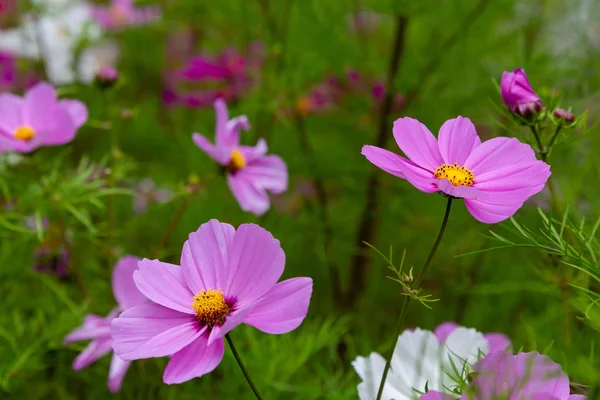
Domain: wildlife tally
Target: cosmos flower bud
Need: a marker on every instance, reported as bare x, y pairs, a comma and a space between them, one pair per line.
562, 114
106, 77
518, 95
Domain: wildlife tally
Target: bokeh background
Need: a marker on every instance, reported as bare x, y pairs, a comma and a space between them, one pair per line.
310, 74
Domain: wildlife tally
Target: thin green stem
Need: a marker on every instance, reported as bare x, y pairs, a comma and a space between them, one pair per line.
404, 311
243, 368
556, 132
541, 148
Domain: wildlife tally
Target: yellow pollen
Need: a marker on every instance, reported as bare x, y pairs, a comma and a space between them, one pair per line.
211, 307
237, 161
304, 106
24, 133
457, 175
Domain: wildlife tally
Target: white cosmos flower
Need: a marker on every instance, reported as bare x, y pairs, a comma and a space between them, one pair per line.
53, 37
420, 361
96, 57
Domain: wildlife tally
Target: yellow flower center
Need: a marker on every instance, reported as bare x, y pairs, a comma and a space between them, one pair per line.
304, 106
457, 175
24, 133
237, 161
211, 307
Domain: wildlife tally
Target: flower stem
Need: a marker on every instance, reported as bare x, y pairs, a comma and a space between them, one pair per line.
556, 132
243, 368
404, 311
541, 148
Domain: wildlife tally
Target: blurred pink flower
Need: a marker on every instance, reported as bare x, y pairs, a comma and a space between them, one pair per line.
147, 193
97, 328
518, 95
38, 119
227, 277
496, 341
11, 78
494, 177
123, 13
203, 79
251, 173
363, 21
52, 259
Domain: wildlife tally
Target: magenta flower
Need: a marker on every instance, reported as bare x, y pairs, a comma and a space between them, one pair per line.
97, 328
38, 119
250, 172
122, 13
525, 375
494, 178
518, 95
496, 341
227, 277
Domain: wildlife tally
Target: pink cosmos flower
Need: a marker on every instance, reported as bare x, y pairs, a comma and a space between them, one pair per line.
494, 177
122, 13
250, 172
97, 328
227, 277
496, 341
522, 376
518, 95
38, 119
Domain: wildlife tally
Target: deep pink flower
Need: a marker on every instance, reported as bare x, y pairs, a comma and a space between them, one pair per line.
517, 93
38, 119
494, 177
517, 377
97, 328
250, 172
497, 341
227, 277
122, 13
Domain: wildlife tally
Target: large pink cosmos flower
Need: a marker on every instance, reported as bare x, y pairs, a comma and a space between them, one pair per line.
38, 119
250, 172
517, 93
121, 13
227, 277
494, 178
98, 329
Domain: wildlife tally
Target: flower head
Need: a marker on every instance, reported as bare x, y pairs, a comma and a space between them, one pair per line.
146, 193
516, 377
518, 95
122, 13
227, 277
250, 172
494, 177
97, 328
439, 361
38, 119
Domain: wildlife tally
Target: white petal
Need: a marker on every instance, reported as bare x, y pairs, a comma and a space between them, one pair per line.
463, 348
370, 370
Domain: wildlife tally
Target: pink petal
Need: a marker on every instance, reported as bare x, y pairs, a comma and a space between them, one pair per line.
205, 256
422, 179
124, 289
490, 212
255, 265
77, 110
433, 395
139, 325
170, 341
515, 176
58, 129
496, 153
443, 330
222, 138
268, 172
11, 113
116, 373
250, 197
497, 342
95, 350
220, 154
384, 159
461, 192
233, 128
233, 320
193, 361
418, 143
283, 308
94, 327
164, 284
252, 153
457, 139
39, 105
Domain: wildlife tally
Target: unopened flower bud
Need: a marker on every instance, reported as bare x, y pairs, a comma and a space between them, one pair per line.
518, 95
563, 114
106, 77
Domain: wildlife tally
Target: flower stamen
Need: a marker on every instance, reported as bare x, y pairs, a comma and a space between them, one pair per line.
457, 175
237, 161
211, 307
24, 133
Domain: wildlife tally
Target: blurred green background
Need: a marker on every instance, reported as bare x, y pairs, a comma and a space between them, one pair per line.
454, 52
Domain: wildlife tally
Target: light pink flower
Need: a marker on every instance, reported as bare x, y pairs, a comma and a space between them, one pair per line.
97, 328
227, 277
38, 119
517, 93
146, 193
496, 341
122, 13
494, 177
250, 172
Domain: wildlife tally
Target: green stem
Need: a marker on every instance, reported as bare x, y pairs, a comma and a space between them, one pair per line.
541, 148
404, 311
556, 132
242, 367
